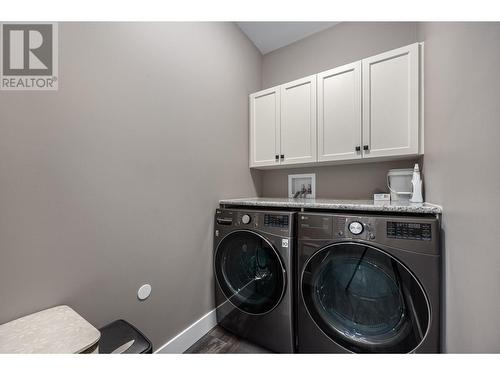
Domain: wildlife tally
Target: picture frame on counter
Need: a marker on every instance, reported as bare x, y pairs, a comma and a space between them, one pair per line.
302, 185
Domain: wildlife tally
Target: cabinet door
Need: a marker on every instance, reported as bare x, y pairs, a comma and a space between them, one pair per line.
391, 103
265, 127
298, 121
339, 113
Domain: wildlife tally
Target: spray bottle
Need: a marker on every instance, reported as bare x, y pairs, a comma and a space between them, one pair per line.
416, 181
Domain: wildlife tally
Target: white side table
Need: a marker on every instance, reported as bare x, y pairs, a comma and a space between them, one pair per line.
54, 331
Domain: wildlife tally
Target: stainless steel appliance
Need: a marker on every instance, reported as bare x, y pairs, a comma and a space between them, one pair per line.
253, 271
368, 284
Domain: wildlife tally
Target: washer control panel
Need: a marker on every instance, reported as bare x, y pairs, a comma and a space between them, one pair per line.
246, 219
355, 227
409, 231
418, 234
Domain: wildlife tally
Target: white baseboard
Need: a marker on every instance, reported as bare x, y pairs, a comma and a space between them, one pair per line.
180, 343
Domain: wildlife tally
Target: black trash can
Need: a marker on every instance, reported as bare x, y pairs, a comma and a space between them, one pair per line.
121, 337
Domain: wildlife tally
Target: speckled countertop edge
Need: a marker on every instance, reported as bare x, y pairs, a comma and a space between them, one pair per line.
334, 204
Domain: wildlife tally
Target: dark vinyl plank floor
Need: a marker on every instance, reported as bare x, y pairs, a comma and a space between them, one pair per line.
219, 341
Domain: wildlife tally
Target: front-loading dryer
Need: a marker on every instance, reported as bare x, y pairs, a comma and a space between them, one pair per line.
368, 284
253, 260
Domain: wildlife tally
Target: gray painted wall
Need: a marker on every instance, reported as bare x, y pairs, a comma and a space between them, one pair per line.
341, 44
112, 181
348, 181
462, 172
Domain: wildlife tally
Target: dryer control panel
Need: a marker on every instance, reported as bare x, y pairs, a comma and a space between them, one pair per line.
277, 221
273, 222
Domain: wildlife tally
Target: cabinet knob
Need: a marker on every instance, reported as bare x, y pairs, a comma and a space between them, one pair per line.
358, 148
366, 148
282, 157
277, 157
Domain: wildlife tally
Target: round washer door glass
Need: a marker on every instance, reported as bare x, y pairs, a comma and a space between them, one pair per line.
365, 300
250, 272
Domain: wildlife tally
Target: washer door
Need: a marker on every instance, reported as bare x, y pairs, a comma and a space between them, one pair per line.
365, 300
250, 272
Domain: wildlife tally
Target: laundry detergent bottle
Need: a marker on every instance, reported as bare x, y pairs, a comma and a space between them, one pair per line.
416, 181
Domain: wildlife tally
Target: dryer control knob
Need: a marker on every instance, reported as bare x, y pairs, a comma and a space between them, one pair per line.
245, 219
355, 227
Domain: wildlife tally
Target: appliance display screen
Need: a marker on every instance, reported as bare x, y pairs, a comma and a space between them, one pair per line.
278, 221
409, 231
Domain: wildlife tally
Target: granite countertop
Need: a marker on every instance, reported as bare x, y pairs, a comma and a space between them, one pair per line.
336, 204
57, 330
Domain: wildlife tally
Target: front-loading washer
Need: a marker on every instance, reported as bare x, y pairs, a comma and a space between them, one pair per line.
368, 284
253, 260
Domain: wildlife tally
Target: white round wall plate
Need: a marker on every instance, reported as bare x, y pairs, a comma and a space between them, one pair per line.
144, 292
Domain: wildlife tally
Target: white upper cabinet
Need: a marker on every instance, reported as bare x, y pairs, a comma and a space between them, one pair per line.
265, 127
368, 109
339, 113
391, 103
298, 121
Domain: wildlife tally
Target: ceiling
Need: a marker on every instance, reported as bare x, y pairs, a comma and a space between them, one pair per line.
269, 36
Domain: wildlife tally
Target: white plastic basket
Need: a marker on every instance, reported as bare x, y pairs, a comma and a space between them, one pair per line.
399, 184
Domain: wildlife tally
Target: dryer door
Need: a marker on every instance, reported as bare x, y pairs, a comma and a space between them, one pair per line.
364, 299
250, 272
